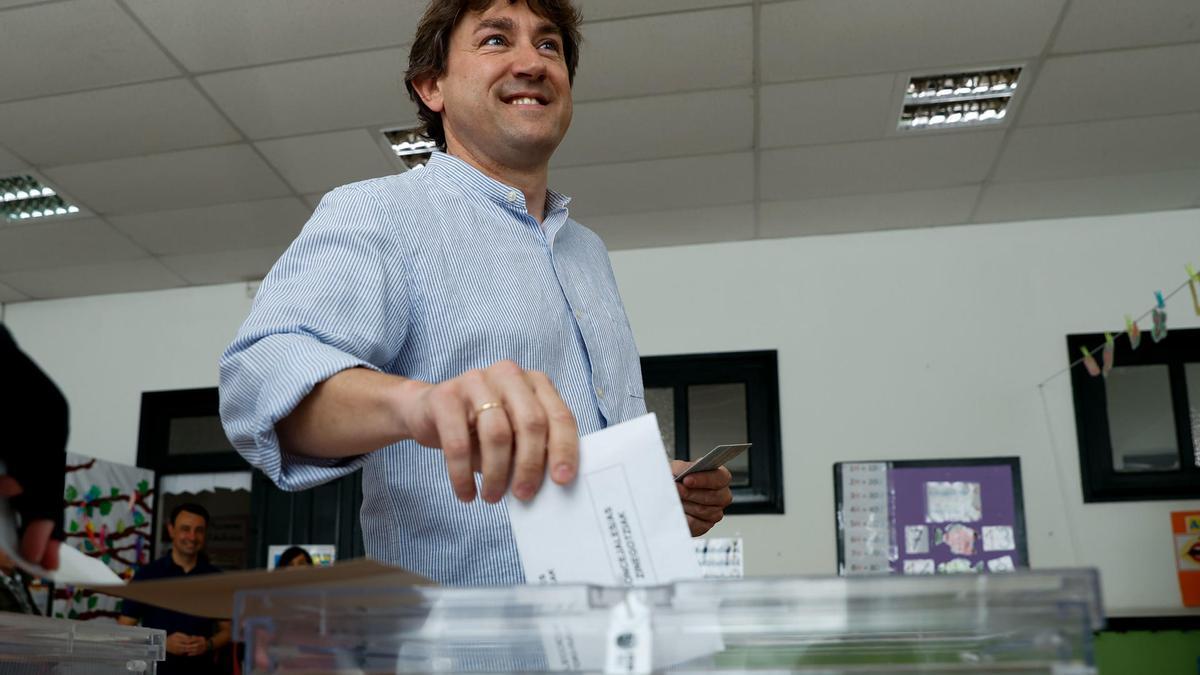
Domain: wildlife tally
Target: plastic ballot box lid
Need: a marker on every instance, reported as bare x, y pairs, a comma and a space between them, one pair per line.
38, 644
1021, 622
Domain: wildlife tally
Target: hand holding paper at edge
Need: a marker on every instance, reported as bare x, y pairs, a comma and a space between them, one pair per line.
73, 566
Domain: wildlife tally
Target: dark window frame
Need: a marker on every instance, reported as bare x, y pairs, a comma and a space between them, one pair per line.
278, 514
1101, 482
759, 372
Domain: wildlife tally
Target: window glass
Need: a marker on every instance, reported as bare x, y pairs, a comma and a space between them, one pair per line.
1141, 420
1192, 370
717, 416
661, 402
198, 435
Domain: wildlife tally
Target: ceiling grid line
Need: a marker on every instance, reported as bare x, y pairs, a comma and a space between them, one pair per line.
756, 84
203, 93
1015, 116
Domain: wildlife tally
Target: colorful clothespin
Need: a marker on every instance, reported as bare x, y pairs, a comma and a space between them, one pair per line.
1089, 362
1109, 355
1193, 280
1159, 332
1134, 333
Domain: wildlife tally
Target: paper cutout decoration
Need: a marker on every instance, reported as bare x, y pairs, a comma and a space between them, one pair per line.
1134, 333
1193, 279
959, 537
1159, 333
1089, 362
1109, 354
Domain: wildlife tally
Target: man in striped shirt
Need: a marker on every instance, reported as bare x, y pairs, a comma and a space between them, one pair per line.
450, 330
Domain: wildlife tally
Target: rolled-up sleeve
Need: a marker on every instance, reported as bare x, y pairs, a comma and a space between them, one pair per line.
336, 299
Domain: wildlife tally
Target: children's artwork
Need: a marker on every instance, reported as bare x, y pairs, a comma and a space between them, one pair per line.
1185, 525
109, 509
930, 516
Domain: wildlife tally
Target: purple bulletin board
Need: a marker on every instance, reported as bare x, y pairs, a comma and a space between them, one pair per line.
930, 516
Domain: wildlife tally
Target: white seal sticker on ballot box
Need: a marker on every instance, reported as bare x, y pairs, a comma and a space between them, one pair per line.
630, 637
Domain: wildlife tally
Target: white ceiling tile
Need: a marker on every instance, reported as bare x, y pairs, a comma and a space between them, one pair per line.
812, 39
706, 50
827, 111
337, 92
225, 266
1114, 147
659, 126
218, 34
324, 161
183, 179
1108, 85
217, 228
1092, 25
137, 119
4, 4
313, 199
658, 185
10, 294
146, 274
675, 228
918, 163
863, 213
598, 10
1104, 195
63, 243
80, 44
9, 163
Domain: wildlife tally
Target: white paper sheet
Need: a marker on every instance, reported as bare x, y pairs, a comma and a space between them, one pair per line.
620, 523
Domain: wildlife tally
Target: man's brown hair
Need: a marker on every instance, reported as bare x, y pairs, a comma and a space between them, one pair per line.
427, 58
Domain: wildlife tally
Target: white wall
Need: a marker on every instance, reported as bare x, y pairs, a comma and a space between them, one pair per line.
894, 345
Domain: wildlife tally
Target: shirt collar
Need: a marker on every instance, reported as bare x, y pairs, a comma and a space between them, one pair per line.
453, 173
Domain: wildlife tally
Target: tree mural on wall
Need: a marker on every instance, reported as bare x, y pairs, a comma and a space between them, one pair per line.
109, 514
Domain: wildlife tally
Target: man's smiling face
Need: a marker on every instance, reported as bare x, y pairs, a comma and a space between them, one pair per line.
505, 96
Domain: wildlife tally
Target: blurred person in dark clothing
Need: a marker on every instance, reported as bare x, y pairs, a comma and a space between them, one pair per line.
33, 413
192, 641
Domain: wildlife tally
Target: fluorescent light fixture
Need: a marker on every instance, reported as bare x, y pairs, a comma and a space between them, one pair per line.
410, 146
958, 99
23, 198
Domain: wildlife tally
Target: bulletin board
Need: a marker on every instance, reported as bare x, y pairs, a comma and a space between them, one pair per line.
930, 516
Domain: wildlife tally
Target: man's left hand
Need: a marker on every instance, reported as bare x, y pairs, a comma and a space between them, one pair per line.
704, 494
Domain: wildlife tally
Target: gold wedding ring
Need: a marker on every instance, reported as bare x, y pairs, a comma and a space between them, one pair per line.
488, 406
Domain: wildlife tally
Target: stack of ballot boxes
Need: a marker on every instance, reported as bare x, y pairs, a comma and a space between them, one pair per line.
1024, 622
37, 644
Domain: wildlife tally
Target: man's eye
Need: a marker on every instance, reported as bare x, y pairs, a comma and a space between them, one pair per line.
494, 41
551, 45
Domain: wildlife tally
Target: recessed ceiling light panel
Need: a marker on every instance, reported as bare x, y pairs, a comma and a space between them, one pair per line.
410, 146
958, 99
24, 198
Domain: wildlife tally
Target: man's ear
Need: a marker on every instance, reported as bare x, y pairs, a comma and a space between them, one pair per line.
430, 91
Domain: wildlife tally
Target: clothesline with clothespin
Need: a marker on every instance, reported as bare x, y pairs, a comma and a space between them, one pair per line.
1131, 325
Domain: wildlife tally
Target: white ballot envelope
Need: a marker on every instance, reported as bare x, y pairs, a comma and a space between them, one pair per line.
620, 523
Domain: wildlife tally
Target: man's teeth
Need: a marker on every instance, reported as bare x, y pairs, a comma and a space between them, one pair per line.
524, 101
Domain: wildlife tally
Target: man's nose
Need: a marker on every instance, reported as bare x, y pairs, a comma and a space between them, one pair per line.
529, 63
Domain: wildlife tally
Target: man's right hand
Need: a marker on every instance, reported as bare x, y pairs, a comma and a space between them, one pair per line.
181, 644
505, 421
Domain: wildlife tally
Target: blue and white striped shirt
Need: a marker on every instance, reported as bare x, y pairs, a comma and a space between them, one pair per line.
428, 274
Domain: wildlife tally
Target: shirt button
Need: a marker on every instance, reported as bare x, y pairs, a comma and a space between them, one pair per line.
600, 392
512, 196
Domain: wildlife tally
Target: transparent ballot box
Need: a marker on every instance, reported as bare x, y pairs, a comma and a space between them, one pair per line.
1027, 622
37, 644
